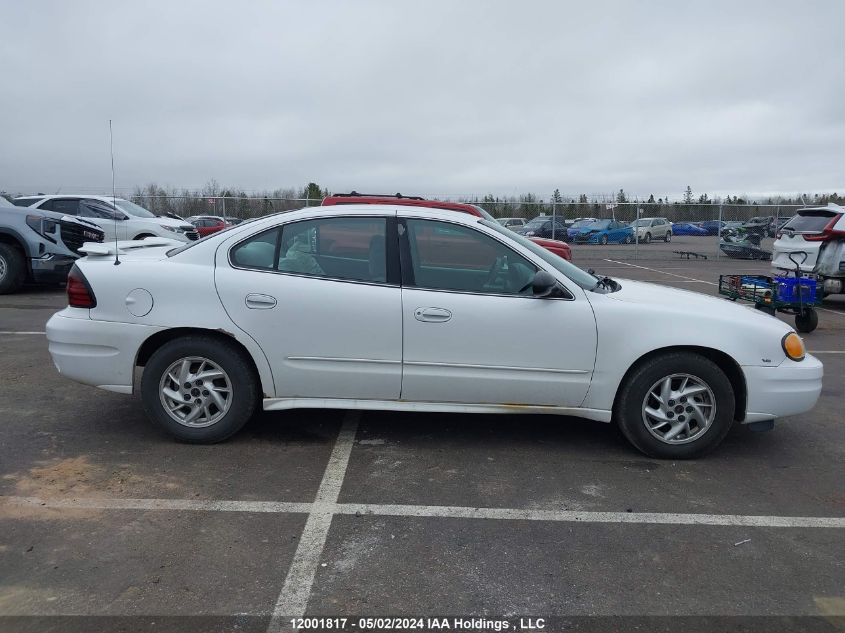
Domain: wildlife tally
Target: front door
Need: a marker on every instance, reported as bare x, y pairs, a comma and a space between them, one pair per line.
473, 333
319, 298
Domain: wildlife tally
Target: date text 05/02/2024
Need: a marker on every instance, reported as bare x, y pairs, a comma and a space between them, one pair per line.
418, 624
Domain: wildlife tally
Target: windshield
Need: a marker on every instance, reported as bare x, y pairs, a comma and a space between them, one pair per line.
581, 223
133, 209
641, 222
583, 279
601, 224
536, 222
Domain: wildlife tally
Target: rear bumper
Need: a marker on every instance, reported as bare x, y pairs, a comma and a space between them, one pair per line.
788, 389
97, 353
51, 269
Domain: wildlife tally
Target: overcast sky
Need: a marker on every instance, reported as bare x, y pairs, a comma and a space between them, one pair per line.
446, 98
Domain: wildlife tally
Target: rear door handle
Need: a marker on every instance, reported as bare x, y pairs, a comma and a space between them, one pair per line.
432, 315
260, 302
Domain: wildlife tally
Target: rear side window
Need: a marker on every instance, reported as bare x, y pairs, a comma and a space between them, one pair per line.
810, 221
337, 248
68, 207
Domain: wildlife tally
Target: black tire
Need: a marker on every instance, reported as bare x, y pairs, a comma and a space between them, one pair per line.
807, 321
603, 240
244, 381
628, 410
12, 269
668, 237
648, 238
628, 239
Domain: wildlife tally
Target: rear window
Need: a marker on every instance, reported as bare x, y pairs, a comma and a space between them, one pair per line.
810, 221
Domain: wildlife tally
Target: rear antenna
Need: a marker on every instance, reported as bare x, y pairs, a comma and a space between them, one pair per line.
113, 195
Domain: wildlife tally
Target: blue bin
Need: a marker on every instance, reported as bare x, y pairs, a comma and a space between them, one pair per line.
789, 287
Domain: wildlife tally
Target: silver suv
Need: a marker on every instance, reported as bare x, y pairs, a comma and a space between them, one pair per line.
649, 229
38, 248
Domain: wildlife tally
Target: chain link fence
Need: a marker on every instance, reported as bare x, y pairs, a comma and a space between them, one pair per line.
696, 231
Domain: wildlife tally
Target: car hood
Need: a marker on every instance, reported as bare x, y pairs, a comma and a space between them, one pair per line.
171, 222
675, 299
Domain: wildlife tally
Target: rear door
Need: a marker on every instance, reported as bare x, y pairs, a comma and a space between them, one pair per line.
322, 299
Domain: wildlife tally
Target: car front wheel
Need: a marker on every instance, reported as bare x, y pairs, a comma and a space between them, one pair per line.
678, 405
648, 238
668, 237
199, 389
12, 269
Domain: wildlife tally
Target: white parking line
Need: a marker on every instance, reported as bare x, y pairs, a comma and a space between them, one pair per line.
569, 516
293, 599
24, 333
329, 508
655, 270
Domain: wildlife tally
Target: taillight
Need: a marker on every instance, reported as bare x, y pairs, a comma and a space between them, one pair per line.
79, 293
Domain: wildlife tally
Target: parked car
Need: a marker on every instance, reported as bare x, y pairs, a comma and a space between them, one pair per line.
208, 224
712, 227
603, 232
544, 226
764, 225
820, 233
249, 317
233, 220
578, 224
687, 228
558, 247
648, 229
511, 223
123, 217
37, 248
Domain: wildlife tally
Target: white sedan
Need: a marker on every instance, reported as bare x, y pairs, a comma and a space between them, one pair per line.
401, 308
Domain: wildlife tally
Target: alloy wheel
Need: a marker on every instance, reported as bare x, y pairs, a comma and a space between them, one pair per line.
679, 408
195, 392
3, 268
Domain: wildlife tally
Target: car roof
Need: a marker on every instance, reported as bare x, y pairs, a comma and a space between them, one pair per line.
81, 196
405, 201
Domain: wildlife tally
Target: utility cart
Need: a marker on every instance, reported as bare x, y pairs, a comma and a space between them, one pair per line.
791, 295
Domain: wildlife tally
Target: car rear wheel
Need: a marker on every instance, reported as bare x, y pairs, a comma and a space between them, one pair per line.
668, 236
12, 269
199, 389
678, 405
603, 240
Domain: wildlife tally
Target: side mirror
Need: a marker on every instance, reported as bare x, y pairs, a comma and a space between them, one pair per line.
543, 284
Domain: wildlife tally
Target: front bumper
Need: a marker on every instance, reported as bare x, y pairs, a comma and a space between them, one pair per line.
788, 389
51, 268
97, 353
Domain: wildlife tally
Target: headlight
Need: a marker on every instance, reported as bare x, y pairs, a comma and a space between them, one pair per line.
43, 226
793, 346
172, 229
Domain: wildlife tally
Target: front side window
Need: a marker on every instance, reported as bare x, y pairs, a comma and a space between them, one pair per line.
336, 248
90, 209
448, 256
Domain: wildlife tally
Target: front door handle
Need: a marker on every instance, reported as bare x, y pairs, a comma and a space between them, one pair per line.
260, 302
432, 315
